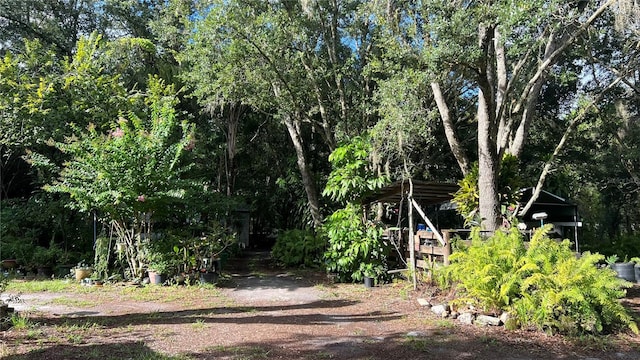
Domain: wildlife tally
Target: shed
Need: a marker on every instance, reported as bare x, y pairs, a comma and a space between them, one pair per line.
560, 212
418, 193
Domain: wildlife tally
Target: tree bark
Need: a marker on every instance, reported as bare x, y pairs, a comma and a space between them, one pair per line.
449, 129
488, 167
488, 161
307, 177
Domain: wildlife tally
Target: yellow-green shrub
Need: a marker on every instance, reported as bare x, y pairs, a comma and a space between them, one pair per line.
545, 286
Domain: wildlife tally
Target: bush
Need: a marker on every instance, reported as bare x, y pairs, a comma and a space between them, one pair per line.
545, 286
356, 248
298, 248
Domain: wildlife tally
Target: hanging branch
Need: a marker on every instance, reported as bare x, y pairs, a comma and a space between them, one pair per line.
572, 125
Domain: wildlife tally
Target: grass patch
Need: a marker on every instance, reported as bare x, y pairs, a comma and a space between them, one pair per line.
168, 294
445, 324
199, 324
74, 302
421, 344
20, 322
35, 286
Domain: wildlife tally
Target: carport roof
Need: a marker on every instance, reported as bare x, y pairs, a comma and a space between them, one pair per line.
424, 192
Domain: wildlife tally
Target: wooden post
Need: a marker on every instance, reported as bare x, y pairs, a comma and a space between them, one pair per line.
412, 240
447, 246
429, 223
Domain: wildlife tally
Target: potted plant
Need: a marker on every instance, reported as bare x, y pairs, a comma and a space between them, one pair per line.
624, 270
207, 249
161, 261
158, 270
370, 273
82, 271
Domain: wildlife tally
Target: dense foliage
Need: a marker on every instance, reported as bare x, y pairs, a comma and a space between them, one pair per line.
130, 174
544, 285
419, 89
299, 248
509, 183
356, 248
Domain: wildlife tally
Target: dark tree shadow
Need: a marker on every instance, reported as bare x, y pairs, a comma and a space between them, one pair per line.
225, 315
127, 350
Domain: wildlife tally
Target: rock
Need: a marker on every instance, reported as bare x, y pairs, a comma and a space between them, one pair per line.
440, 309
424, 302
504, 317
487, 320
466, 318
454, 314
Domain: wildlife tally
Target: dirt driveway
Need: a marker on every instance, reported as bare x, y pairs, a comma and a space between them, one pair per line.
269, 314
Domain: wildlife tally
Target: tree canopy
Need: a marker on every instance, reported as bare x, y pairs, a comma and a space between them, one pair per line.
272, 88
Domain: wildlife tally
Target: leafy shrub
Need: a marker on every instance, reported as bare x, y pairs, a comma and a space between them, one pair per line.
356, 248
467, 198
298, 247
487, 270
545, 286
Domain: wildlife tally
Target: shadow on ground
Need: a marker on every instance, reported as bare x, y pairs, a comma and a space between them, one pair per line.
229, 315
128, 350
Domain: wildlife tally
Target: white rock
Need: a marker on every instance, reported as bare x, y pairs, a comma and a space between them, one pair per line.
440, 309
423, 302
466, 318
504, 317
487, 320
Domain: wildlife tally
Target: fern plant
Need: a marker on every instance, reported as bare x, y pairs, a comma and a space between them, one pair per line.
545, 286
566, 294
487, 270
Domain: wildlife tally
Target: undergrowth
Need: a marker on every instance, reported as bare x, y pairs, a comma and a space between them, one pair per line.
298, 247
545, 285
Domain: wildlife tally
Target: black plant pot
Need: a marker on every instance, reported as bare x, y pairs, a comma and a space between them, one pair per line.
625, 271
368, 282
208, 277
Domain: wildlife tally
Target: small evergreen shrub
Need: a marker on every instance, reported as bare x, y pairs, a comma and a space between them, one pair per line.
298, 248
356, 248
545, 286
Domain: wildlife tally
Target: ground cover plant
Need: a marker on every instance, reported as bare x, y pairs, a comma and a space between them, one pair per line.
545, 285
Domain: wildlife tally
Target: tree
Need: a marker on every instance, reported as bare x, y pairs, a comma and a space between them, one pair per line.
498, 53
132, 173
59, 25
288, 59
44, 96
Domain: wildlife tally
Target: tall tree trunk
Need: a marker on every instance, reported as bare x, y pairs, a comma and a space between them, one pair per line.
488, 160
307, 177
449, 129
233, 119
488, 167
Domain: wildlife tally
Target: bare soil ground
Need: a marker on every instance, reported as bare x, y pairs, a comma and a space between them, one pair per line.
260, 312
